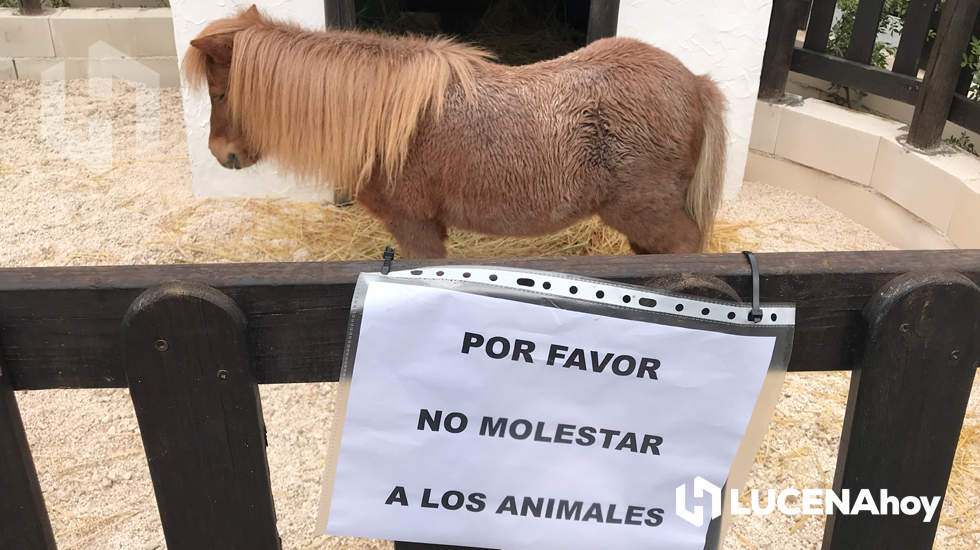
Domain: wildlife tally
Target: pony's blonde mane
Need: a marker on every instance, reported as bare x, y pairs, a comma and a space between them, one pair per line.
339, 105
194, 66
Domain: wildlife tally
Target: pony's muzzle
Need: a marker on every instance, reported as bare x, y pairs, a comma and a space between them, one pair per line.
232, 162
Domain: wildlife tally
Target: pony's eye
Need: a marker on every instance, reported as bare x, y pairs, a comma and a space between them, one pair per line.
218, 97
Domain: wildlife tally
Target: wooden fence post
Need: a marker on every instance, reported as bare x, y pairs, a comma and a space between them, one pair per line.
30, 7
603, 19
23, 518
906, 406
199, 413
939, 84
780, 43
864, 32
340, 13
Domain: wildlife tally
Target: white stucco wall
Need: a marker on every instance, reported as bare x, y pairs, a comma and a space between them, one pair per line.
210, 179
723, 39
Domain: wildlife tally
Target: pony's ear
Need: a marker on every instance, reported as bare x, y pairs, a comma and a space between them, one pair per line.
252, 13
216, 46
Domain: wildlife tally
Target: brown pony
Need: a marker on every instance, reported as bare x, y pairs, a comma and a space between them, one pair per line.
428, 133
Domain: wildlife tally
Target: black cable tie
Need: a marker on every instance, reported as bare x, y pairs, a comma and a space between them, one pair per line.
389, 256
755, 315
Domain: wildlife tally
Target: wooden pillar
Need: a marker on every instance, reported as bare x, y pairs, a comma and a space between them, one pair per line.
340, 14
818, 25
603, 19
199, 413
906, 406
915, 32
939, 85
30, 7
864, 33
966, 73
23, 517
780, 44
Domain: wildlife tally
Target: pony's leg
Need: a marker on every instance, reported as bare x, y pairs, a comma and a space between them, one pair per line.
419, 238
650, 230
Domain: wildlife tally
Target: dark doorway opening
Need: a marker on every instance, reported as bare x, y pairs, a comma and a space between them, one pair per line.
516, 31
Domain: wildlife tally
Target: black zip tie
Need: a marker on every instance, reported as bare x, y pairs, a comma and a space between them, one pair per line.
389, 255
755, 315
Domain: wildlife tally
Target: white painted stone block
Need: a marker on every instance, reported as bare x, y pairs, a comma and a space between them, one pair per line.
7, 69
722, 39
862, 204
24, 35
833, 139
765, 127
912, 180
152, 71
156, 72
139, 3
33, 68
129, 32
964, 226
91, 3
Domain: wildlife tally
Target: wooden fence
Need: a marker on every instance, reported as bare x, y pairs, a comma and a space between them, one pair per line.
938, 97
192, 351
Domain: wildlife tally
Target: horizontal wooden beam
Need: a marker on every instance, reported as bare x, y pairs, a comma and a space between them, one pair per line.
877, 81
858, 75
61, 327
965, 112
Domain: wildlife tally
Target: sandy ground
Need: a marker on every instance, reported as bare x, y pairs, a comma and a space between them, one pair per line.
62, 207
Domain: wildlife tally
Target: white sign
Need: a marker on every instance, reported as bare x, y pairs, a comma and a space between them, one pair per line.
484, 421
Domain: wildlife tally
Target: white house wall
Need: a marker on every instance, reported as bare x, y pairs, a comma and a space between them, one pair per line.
723, 39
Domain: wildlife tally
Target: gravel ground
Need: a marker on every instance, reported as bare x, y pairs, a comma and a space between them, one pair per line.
61, 207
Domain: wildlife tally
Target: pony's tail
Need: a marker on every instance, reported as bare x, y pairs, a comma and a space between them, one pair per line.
704, 193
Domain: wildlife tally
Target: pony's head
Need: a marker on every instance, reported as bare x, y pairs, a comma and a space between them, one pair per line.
333, 106
208, 61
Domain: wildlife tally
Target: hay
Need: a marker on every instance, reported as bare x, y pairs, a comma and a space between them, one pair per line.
287, 231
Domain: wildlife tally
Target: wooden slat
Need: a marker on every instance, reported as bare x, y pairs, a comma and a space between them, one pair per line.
23, 517
865, 31
850, 73
603, 19
187, 364
340, 14
933, 105
804, 16
966, 73
965, 112
779, 47
906, 406
915, 30
877, 81
30, 7
818, 29
60, 325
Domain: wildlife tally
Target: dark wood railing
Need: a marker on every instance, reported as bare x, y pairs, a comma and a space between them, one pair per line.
192, 351
940, 96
